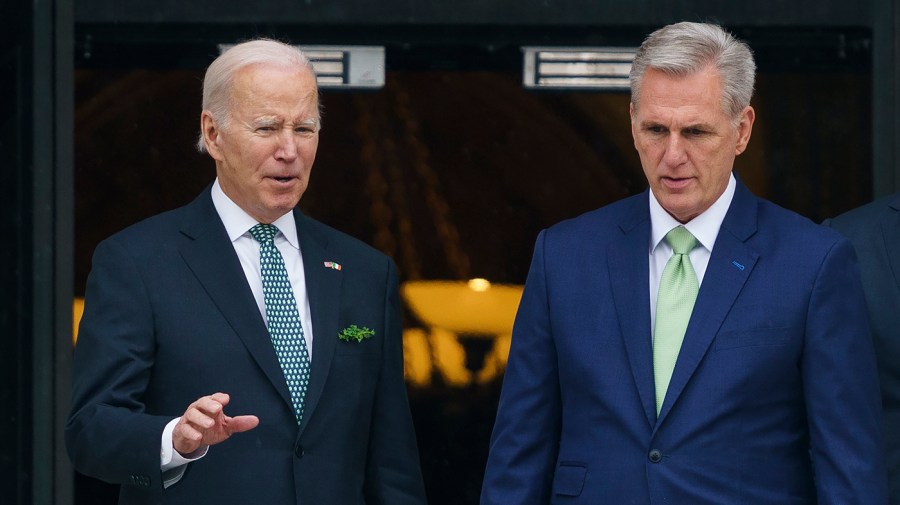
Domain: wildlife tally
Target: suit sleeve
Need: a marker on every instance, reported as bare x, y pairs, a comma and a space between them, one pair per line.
393, 474
525, 440
108, 435
841, 387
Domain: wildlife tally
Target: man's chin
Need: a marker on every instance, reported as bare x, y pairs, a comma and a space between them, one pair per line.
678, 207
274, 209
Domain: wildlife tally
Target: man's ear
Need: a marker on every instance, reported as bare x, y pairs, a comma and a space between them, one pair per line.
745, 128
631, 116
211, 134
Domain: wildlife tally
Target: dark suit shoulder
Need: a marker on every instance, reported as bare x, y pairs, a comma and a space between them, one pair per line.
868, 228
600, 223
856, 221
151, 233
783, 229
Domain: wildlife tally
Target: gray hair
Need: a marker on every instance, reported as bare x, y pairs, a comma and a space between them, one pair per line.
683, 49
219, 76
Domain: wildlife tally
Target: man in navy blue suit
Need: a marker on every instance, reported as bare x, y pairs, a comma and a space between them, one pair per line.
235, 350
693, 344
874, 230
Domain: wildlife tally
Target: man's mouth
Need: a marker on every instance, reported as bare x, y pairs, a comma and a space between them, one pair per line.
676, 182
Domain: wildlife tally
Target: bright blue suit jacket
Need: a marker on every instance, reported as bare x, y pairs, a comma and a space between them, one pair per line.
169, 317
874, 230
774, 397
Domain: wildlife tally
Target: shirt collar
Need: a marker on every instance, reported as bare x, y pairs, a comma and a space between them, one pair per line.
704, 227
238, 223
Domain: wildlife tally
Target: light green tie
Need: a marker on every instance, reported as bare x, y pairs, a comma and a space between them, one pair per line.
678, 288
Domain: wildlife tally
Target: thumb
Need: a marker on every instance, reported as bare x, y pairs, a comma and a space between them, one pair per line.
239, 424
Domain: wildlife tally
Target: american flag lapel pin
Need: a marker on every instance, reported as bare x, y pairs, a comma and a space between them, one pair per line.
333, 265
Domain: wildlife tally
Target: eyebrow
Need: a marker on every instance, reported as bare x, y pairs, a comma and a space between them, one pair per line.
272, 120
264, 121
693, 126
698, 126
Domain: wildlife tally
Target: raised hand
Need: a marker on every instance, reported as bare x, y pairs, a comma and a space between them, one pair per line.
205, 423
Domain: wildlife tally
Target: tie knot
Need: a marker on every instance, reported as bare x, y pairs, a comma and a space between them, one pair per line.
681, 240
264, 232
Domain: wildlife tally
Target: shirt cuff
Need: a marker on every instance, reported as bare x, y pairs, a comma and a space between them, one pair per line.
171, 462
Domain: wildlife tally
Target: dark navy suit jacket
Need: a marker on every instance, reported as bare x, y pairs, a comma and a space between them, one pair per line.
169, 317
774, 397
874, 230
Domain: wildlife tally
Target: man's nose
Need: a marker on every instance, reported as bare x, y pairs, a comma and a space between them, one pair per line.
675, 151
287, 146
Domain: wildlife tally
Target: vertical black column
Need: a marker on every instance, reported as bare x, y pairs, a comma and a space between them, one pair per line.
886, 96
15, 299
35, 249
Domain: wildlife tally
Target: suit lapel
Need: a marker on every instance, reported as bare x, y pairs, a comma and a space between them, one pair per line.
323, 286
211, 257
890, 228
628, 273
730, 265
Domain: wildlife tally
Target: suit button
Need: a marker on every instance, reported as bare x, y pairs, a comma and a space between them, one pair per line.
655, 456
298, 451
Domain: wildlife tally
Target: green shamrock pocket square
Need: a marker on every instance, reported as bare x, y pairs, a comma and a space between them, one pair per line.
356, 333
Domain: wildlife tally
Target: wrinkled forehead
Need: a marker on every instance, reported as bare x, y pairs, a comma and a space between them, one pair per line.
267, 85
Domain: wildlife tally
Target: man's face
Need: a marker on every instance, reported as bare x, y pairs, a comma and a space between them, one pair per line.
265, 155
686, 141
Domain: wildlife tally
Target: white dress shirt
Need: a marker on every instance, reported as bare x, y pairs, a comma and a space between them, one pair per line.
237, 225
704, 227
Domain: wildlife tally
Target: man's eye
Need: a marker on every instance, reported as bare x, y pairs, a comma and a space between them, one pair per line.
694, 132
656, 129
266, 128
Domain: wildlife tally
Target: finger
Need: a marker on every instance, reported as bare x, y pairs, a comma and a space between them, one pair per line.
210, 405
221, 398
186, 439
240, 424
198, 419
188, 433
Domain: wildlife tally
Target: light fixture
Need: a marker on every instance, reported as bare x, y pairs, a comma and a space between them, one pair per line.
479, 285
347, 66
344, 67
588, 68
472, 307
469, 324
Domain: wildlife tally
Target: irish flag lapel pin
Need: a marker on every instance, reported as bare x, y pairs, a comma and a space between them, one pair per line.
332, 265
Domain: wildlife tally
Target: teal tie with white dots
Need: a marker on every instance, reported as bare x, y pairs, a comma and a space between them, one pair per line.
283, 317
